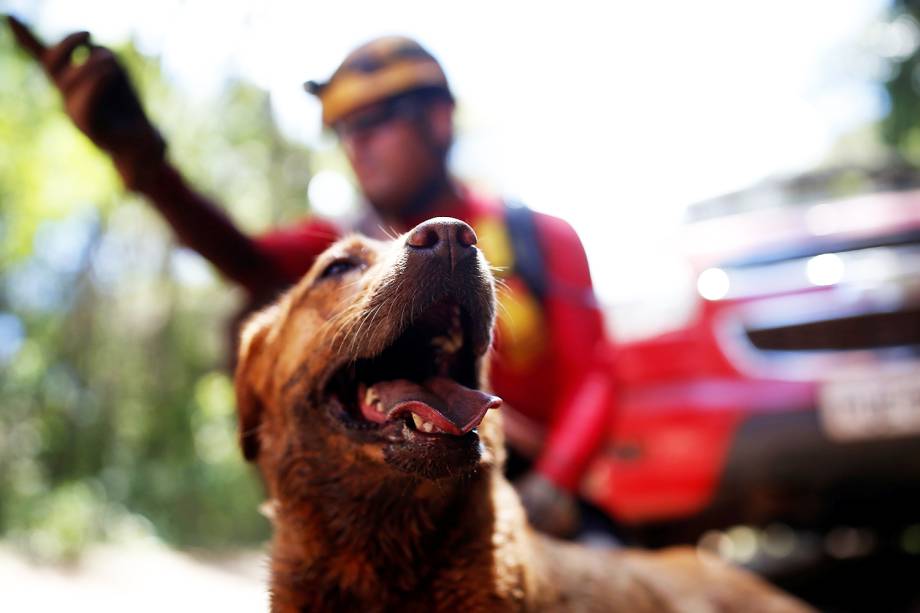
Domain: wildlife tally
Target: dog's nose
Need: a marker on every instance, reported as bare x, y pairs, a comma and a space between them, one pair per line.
443, 237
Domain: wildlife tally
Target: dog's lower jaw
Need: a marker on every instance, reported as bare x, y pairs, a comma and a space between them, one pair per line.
459, 462
408, 551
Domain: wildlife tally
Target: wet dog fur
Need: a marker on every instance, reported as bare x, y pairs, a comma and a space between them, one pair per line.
383, 517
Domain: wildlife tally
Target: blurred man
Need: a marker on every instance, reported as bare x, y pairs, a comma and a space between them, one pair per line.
390, 104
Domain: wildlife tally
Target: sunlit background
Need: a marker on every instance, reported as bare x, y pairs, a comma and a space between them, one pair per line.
620, 114
614, 116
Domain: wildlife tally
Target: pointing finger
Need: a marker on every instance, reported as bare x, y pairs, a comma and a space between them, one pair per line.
26, 39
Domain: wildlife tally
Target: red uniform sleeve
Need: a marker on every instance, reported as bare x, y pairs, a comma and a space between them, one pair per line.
293, 250
582, 415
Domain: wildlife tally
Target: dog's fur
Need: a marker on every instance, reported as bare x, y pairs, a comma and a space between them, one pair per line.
367, 521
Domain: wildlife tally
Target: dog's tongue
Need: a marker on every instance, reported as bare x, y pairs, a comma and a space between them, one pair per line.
447, 405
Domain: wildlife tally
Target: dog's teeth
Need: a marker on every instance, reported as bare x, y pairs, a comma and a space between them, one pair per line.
421, 424
370, 397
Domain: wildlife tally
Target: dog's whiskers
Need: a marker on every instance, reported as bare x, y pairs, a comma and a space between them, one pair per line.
389, 231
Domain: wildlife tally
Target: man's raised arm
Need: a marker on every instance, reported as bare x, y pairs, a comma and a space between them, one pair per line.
99, 98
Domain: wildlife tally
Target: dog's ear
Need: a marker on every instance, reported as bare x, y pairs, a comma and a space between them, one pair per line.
249, 379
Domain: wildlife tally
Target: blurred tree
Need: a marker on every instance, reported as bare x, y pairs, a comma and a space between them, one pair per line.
883, 154
116, 413
901, 126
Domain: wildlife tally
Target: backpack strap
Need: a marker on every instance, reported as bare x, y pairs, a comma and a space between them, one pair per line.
529, 262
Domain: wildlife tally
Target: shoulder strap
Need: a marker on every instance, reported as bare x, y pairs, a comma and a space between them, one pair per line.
529, 262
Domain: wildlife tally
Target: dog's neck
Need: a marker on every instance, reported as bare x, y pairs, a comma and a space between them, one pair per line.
358, 547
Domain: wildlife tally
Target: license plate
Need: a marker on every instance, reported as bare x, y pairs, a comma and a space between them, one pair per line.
881, 405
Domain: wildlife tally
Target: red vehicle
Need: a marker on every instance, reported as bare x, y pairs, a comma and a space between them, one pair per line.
793, 393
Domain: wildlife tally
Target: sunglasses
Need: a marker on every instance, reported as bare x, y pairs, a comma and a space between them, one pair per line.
366, 121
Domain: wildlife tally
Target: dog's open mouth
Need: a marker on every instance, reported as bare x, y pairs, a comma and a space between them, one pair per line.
426, 380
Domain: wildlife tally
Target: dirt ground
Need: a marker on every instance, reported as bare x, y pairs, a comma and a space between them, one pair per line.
138, 578
150, 577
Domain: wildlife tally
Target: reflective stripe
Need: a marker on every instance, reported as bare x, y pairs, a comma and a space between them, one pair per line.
521, 327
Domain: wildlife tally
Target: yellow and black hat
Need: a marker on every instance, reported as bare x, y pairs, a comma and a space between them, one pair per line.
377, 70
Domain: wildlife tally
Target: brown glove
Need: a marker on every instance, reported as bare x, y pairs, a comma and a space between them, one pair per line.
550, 508
99, 98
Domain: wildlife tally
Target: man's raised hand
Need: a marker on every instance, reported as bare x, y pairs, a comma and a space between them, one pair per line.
98, 97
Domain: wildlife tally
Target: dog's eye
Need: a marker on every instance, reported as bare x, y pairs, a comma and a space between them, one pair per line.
338, 267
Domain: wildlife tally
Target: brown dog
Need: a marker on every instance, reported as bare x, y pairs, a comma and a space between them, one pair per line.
359, 400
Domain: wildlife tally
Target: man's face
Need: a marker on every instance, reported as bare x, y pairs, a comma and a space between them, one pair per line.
393, 152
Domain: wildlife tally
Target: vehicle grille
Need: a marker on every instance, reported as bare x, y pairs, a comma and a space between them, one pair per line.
868, 331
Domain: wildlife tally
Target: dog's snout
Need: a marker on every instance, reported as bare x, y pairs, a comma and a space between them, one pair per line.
443, 237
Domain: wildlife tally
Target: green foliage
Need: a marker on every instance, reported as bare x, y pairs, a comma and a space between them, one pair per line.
116, 411
900, 128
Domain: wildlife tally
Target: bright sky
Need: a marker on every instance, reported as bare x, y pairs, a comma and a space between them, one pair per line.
614, 116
